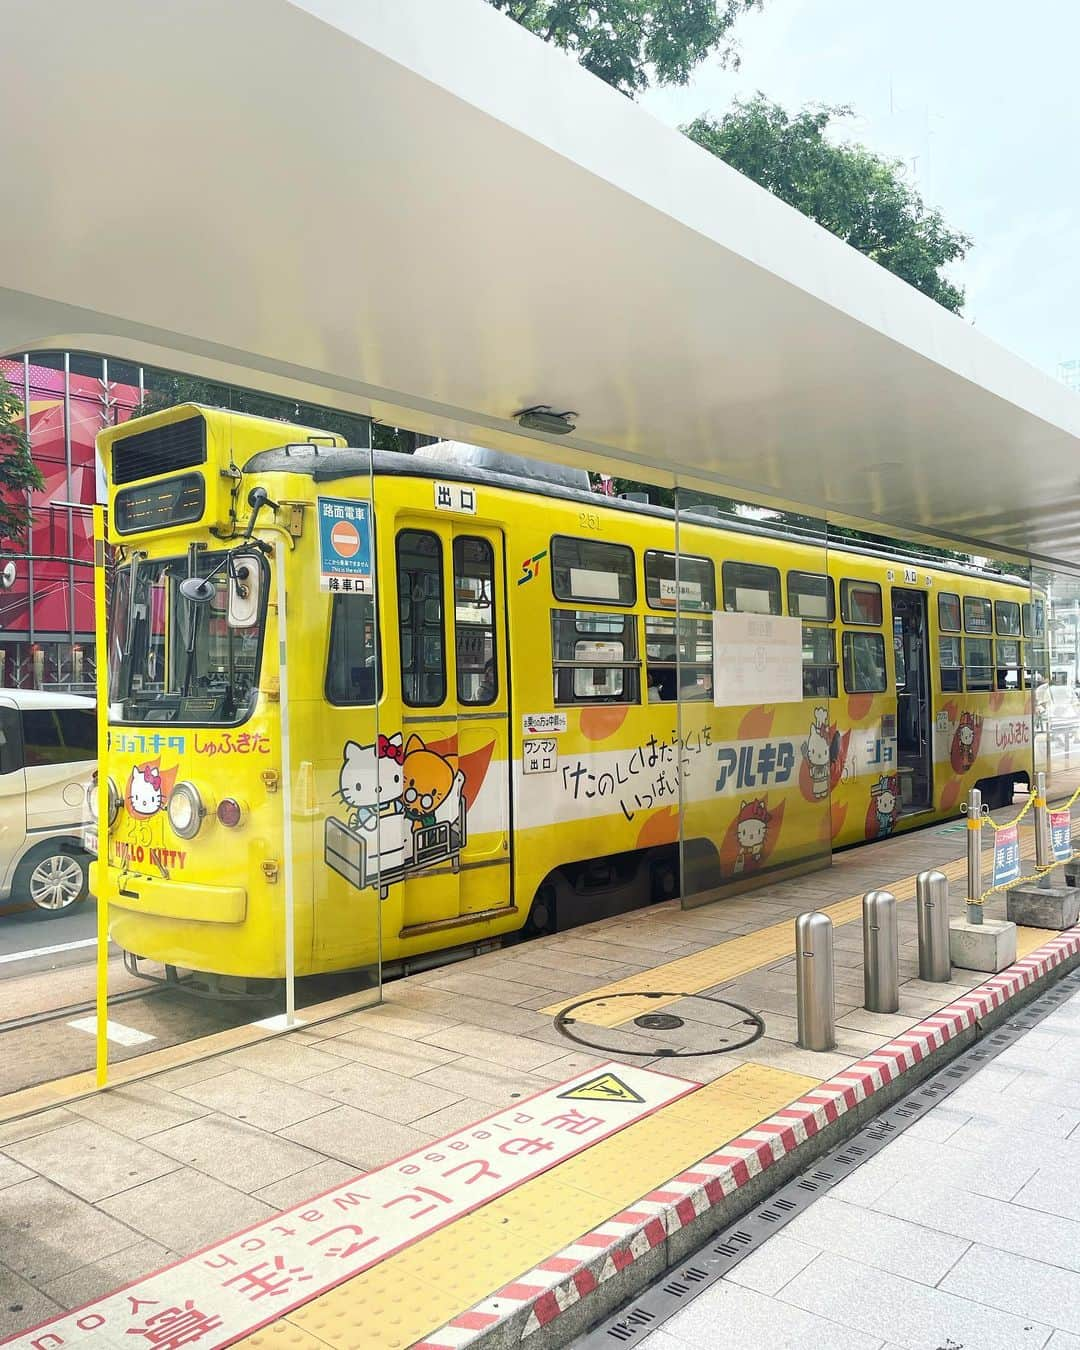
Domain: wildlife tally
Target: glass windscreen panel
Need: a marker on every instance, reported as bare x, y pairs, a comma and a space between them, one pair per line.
187, 660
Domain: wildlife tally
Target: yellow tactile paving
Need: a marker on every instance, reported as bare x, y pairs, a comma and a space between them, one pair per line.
1028, 939
717, 965
282, 1335
410, 1294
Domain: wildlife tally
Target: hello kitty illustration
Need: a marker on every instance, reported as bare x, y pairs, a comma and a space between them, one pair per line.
751, 827
885, 795
433, 783
817, 750
370, 780
965, 739
145, 793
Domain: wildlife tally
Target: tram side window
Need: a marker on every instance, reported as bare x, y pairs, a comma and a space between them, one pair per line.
751, 589
978, 667
864, 663
684, 672
1007, 664
696, 582
474, 621
595, 657
952, 672
978, 614
811, 595
1007, 617
819, 662
860, 602
588, 569
1034, 616
352, 668
948, 612
420, 618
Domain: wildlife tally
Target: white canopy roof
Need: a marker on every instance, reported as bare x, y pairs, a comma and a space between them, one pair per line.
415, 208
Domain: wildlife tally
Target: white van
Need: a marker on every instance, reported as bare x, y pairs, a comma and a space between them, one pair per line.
48, 754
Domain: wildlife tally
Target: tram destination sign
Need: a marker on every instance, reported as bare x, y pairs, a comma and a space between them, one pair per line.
757, 658
344, 546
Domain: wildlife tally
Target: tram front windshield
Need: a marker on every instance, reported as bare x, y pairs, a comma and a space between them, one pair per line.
173, 659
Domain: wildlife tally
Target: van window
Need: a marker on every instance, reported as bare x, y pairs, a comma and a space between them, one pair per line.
58, 735
10, 738
697, 581
352, 669
751, 589
860, 602
587, 569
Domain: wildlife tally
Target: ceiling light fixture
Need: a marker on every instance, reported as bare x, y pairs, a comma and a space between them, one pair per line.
542, 418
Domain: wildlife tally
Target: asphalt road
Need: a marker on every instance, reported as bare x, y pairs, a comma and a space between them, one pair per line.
29, 938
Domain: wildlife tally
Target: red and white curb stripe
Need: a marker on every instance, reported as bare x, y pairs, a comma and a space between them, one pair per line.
562, 1280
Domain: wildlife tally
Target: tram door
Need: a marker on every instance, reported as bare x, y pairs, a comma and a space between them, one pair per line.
914, 740
455, 721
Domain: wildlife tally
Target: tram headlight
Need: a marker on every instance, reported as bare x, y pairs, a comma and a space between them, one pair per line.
92, 799
186, 810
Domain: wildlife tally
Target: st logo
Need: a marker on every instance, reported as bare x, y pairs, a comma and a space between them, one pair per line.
531, 567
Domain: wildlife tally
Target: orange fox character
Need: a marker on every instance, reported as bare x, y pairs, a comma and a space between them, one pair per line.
432, 785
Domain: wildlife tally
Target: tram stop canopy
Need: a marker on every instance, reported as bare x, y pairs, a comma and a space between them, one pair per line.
420, 211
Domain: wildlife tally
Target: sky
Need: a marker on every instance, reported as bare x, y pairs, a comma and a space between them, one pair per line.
981, 100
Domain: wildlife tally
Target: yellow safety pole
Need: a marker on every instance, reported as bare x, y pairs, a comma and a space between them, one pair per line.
102, 678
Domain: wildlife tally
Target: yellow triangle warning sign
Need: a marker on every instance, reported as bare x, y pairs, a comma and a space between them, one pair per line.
604, 1088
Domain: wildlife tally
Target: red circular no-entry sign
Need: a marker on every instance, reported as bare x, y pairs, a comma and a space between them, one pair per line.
345, 539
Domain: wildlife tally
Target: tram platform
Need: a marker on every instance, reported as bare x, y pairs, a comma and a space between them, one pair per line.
449, 1169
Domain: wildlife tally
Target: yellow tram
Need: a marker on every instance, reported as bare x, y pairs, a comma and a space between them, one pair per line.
499, 690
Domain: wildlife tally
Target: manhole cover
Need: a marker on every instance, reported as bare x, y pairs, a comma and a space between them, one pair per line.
658, 1021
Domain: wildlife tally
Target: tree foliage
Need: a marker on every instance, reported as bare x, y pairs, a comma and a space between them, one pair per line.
18, 472
632, 44
856, 194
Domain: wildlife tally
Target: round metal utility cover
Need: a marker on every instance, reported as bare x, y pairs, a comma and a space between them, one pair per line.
658, 1021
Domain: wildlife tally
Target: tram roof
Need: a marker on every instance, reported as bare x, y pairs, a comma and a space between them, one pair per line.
422, 212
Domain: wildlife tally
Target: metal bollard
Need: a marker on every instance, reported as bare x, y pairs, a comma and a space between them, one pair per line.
974, 856
881, 952
814, 981
1043, 857
932, 903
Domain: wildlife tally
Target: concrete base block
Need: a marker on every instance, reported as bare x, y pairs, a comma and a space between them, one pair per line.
1072, 872
990, 945
1037, 906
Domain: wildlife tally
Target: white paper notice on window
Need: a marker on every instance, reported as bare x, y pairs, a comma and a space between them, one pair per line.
689, 592
589, 584
757, 658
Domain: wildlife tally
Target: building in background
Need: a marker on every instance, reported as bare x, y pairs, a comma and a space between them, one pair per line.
1068, 372
47, 610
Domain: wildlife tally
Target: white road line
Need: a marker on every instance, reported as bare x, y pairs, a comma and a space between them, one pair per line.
47, 951
114, 1031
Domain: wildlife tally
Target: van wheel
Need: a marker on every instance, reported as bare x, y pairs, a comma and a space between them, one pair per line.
53, 877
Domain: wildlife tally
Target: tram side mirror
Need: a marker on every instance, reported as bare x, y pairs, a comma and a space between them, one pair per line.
199, 590
245, 586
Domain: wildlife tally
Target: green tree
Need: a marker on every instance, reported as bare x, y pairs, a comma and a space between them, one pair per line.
18, 472
856, 194
632, 44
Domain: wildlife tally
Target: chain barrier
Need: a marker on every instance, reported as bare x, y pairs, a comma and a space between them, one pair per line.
993, 825
1035, 800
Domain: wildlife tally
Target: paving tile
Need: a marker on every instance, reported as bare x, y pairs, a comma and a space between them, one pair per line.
513, 1052
305, 1185
21, 1305
90, 1161
258, 1100
731, 1318
1052, 1190
282, 1058
1016, 1284
185, 1210
782, 1055
1063, 1340
775, 1263
882, 1305
46, 1232
940, 1125
521, 971
357, 1137
485, 1082
11, 1172
186, 1074
384, 1094
137, 1109
394, 1018
979, 1218
102, 1277
694, 1068
881, 1241
450, 1119
235, 1153
402, 1055
488, 987
38, 1123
